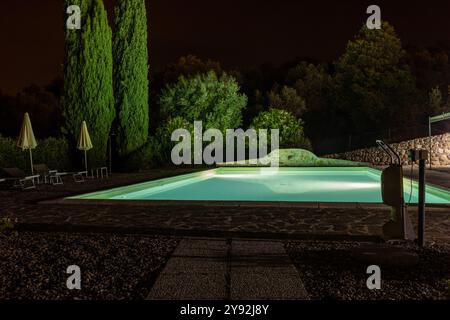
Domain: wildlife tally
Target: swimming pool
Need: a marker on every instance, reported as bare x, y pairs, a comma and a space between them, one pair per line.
269, 185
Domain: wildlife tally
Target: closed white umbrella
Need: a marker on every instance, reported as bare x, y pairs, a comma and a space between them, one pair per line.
84, 142
26, 139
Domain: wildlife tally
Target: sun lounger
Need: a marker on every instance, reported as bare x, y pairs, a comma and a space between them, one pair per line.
79, 176
95, 173
42, 170
19, 179
50, 176
54, 177
99, 172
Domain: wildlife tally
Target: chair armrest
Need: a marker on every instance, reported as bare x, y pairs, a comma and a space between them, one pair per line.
30, 177
22, 182
78, 176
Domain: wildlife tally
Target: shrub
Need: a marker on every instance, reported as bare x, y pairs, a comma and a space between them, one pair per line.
164, 135
205, 97
11, 155
148, 156
55, 152
291, 129
6, 225
216, 101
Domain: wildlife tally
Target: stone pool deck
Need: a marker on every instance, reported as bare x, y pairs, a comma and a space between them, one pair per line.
282, 221
439, 176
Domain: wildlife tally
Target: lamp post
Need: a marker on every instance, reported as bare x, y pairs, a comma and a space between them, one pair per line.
420, 156
110, 151
421, 222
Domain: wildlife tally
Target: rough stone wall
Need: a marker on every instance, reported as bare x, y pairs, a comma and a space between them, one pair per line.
440, 155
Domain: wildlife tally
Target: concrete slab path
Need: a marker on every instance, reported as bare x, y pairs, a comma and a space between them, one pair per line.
207, 269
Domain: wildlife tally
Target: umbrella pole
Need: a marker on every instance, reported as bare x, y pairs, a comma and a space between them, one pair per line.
31, 161
85, 161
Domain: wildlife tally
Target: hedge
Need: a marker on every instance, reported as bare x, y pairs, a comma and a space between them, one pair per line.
55, 152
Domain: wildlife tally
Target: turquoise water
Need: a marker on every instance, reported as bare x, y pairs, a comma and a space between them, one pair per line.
269, 184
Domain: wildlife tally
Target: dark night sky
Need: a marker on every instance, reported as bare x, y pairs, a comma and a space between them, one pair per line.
237, 33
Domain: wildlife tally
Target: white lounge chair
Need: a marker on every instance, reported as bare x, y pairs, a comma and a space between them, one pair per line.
19, 179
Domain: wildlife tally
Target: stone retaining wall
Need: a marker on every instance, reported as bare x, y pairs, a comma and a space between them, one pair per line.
440, 155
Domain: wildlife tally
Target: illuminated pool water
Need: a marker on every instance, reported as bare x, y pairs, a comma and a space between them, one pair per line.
269, 184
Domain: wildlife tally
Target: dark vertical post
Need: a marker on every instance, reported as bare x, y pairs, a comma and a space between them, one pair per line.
421, 226
111, 141
430, 140
110, 154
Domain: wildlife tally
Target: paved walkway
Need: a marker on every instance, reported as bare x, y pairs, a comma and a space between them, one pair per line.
210, 269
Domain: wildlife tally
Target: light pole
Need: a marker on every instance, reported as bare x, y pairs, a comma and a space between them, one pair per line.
420, 156
110, 151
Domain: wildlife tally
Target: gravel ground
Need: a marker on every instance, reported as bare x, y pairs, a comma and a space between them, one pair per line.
329, 270
33, 265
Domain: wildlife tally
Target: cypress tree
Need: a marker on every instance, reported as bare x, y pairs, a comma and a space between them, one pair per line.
88, 88
131, 75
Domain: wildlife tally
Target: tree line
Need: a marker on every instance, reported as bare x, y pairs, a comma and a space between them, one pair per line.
376, 84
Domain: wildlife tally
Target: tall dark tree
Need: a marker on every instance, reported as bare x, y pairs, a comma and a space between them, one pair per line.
88, 88
430, 66
131, 75
189, 66
41, 104
314, 83
287, 98
375, 86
